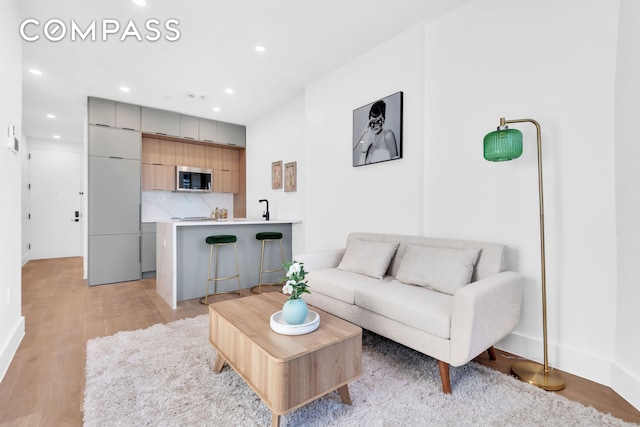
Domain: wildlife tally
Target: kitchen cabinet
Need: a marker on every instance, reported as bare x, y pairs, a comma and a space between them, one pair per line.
226, 181
114, 196
104, 112
127, 116
114, 258
158, 177
148, 248
207, 130
194, 155
189, 127
231, 134
113, 142
215, 157
230, 159
114, 220
160, 122
159, 151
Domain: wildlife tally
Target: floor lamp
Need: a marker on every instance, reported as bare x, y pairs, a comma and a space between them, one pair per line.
506, 144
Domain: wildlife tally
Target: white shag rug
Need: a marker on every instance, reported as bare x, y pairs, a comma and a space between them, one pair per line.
162, 376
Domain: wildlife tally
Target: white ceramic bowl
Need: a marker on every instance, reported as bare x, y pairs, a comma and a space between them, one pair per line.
279, 325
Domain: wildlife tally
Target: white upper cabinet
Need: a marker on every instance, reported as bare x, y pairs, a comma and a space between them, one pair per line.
231, 134
160, 122
103, 112
208, 130
188, 127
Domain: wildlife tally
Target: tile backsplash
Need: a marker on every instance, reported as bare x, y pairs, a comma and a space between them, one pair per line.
163, 205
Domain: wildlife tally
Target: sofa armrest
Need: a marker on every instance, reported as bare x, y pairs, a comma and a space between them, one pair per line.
320, 260
483, 313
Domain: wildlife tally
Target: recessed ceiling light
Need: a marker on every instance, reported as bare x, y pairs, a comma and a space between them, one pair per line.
35, 72
260, 48
124, 89
229, 90
51, 116
56, 136
216, 109
140, 2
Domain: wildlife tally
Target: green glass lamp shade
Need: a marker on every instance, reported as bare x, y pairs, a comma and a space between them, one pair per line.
503, 144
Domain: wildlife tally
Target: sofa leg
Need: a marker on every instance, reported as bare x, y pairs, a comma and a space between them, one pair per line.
444, 376
492, 353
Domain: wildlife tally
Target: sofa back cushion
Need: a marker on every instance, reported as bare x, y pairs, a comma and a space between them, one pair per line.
370, 258
442, 269
492, 258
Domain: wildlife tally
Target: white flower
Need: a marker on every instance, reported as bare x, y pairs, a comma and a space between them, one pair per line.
287, 289
295, 268
291, 283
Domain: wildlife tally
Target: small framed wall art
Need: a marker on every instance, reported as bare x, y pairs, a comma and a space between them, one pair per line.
377, 131
290, 176
276, 174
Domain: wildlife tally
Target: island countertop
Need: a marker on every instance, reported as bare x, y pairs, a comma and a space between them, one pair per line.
182, 256
194, 221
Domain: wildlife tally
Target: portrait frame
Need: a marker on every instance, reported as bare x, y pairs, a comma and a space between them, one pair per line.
290, 176
377, 131
276, 175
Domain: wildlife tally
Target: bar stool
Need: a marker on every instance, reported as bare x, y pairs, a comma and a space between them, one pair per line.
266, 237
216, 242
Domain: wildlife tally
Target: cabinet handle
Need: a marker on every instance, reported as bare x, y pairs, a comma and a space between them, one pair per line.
231, 143
207, 140
115, 157
103, 125
160, 133
188, 137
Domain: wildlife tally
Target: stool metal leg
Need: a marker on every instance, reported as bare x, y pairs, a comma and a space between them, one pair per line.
262, 270
216, 279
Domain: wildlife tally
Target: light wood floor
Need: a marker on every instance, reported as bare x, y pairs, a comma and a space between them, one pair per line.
44, 384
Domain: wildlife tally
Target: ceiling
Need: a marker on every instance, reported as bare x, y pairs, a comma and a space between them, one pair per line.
215, 51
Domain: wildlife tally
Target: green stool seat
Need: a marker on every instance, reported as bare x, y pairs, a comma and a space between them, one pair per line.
217, 242
269, 235
222, 238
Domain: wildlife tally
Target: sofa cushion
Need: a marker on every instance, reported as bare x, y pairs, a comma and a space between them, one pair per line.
420, 308
339, 284
443, 269
368, 258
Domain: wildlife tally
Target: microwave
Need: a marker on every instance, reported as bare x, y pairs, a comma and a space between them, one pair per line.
193, 179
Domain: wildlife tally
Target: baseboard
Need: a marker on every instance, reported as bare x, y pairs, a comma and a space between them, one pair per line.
594, 368
10, 346
626, 384
589, 366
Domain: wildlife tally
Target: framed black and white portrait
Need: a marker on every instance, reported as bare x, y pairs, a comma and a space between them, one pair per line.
377, 131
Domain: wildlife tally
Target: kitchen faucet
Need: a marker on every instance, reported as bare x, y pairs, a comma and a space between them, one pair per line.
265, 215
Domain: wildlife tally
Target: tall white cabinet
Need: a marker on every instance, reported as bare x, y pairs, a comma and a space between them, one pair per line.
114, 198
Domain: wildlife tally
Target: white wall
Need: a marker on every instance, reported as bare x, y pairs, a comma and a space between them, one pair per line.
278, 136
554, 62
384, 197
11, 320
627, 136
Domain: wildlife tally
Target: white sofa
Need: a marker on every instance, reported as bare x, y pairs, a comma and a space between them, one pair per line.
449, 299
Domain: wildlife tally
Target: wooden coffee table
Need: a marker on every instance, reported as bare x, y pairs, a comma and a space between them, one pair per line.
287, 372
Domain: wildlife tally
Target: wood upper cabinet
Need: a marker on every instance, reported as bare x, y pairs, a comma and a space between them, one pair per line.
158, 151
194, 155
226, 181
230, 159
158, 177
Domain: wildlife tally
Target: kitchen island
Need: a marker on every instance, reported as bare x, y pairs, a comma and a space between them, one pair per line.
182, 256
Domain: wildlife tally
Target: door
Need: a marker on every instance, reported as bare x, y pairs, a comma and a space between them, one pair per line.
56, 204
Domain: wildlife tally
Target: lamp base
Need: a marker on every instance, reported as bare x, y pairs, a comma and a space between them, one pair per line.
533, 373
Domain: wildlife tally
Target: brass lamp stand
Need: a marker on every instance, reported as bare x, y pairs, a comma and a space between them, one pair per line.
506, 144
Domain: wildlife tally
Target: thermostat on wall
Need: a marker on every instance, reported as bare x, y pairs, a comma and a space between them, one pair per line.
9, 135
